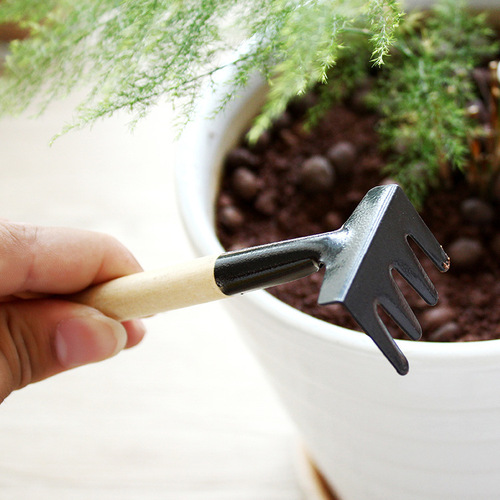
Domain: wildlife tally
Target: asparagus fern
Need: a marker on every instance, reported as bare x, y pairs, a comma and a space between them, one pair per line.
133, 54
424, 94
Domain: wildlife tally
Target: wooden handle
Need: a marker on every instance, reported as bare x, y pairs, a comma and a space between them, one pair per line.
147, 293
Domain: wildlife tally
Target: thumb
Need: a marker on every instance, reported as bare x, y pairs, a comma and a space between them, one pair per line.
40, 338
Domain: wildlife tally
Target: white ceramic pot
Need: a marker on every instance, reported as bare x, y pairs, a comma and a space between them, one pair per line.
431, 435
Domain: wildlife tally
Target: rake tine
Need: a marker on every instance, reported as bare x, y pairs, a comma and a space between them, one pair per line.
431, 248
368, 319
412, 271
422, 235
396, 306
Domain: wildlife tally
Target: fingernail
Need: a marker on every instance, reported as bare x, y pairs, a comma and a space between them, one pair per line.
88, 339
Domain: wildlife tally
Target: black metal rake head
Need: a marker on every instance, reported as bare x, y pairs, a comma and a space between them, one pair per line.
358, 260
359, 265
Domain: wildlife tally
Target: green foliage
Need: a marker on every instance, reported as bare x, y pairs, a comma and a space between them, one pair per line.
314, 38
134, 53
349, 73
423, 94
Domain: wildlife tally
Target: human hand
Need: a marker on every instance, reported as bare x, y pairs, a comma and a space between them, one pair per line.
40, 334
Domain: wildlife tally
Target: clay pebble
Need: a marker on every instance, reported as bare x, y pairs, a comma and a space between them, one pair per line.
266, 203
477, 211
246, 184
241, 157
465, 253
316, 174
445, 333
342, 155
231, 217
436, 317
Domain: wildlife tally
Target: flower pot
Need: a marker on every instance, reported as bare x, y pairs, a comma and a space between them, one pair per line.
433, 434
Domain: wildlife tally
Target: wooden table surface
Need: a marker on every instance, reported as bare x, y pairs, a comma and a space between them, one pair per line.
186, 415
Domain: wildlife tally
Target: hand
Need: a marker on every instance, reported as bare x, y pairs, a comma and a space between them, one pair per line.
41, 335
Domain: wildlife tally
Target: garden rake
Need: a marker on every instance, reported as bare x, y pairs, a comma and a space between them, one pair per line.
358, 260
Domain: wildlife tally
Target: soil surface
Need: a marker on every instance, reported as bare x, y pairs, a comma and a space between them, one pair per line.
294, 183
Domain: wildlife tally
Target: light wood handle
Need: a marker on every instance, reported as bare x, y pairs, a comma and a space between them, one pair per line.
150, 292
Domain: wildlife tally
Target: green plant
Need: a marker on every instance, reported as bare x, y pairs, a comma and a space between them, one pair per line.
133, 53
434, 119
427, 95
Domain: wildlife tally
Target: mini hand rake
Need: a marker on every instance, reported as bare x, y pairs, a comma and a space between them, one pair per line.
358, 260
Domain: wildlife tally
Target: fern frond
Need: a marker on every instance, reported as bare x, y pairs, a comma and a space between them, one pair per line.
133, 54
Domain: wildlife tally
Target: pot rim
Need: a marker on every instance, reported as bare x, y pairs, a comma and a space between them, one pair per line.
202, 139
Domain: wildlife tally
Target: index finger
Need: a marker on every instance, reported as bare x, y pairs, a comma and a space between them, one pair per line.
58, 260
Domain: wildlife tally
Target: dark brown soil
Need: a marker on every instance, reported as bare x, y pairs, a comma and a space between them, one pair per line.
265, 197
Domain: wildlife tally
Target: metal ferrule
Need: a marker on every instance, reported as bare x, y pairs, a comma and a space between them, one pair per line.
273, 264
